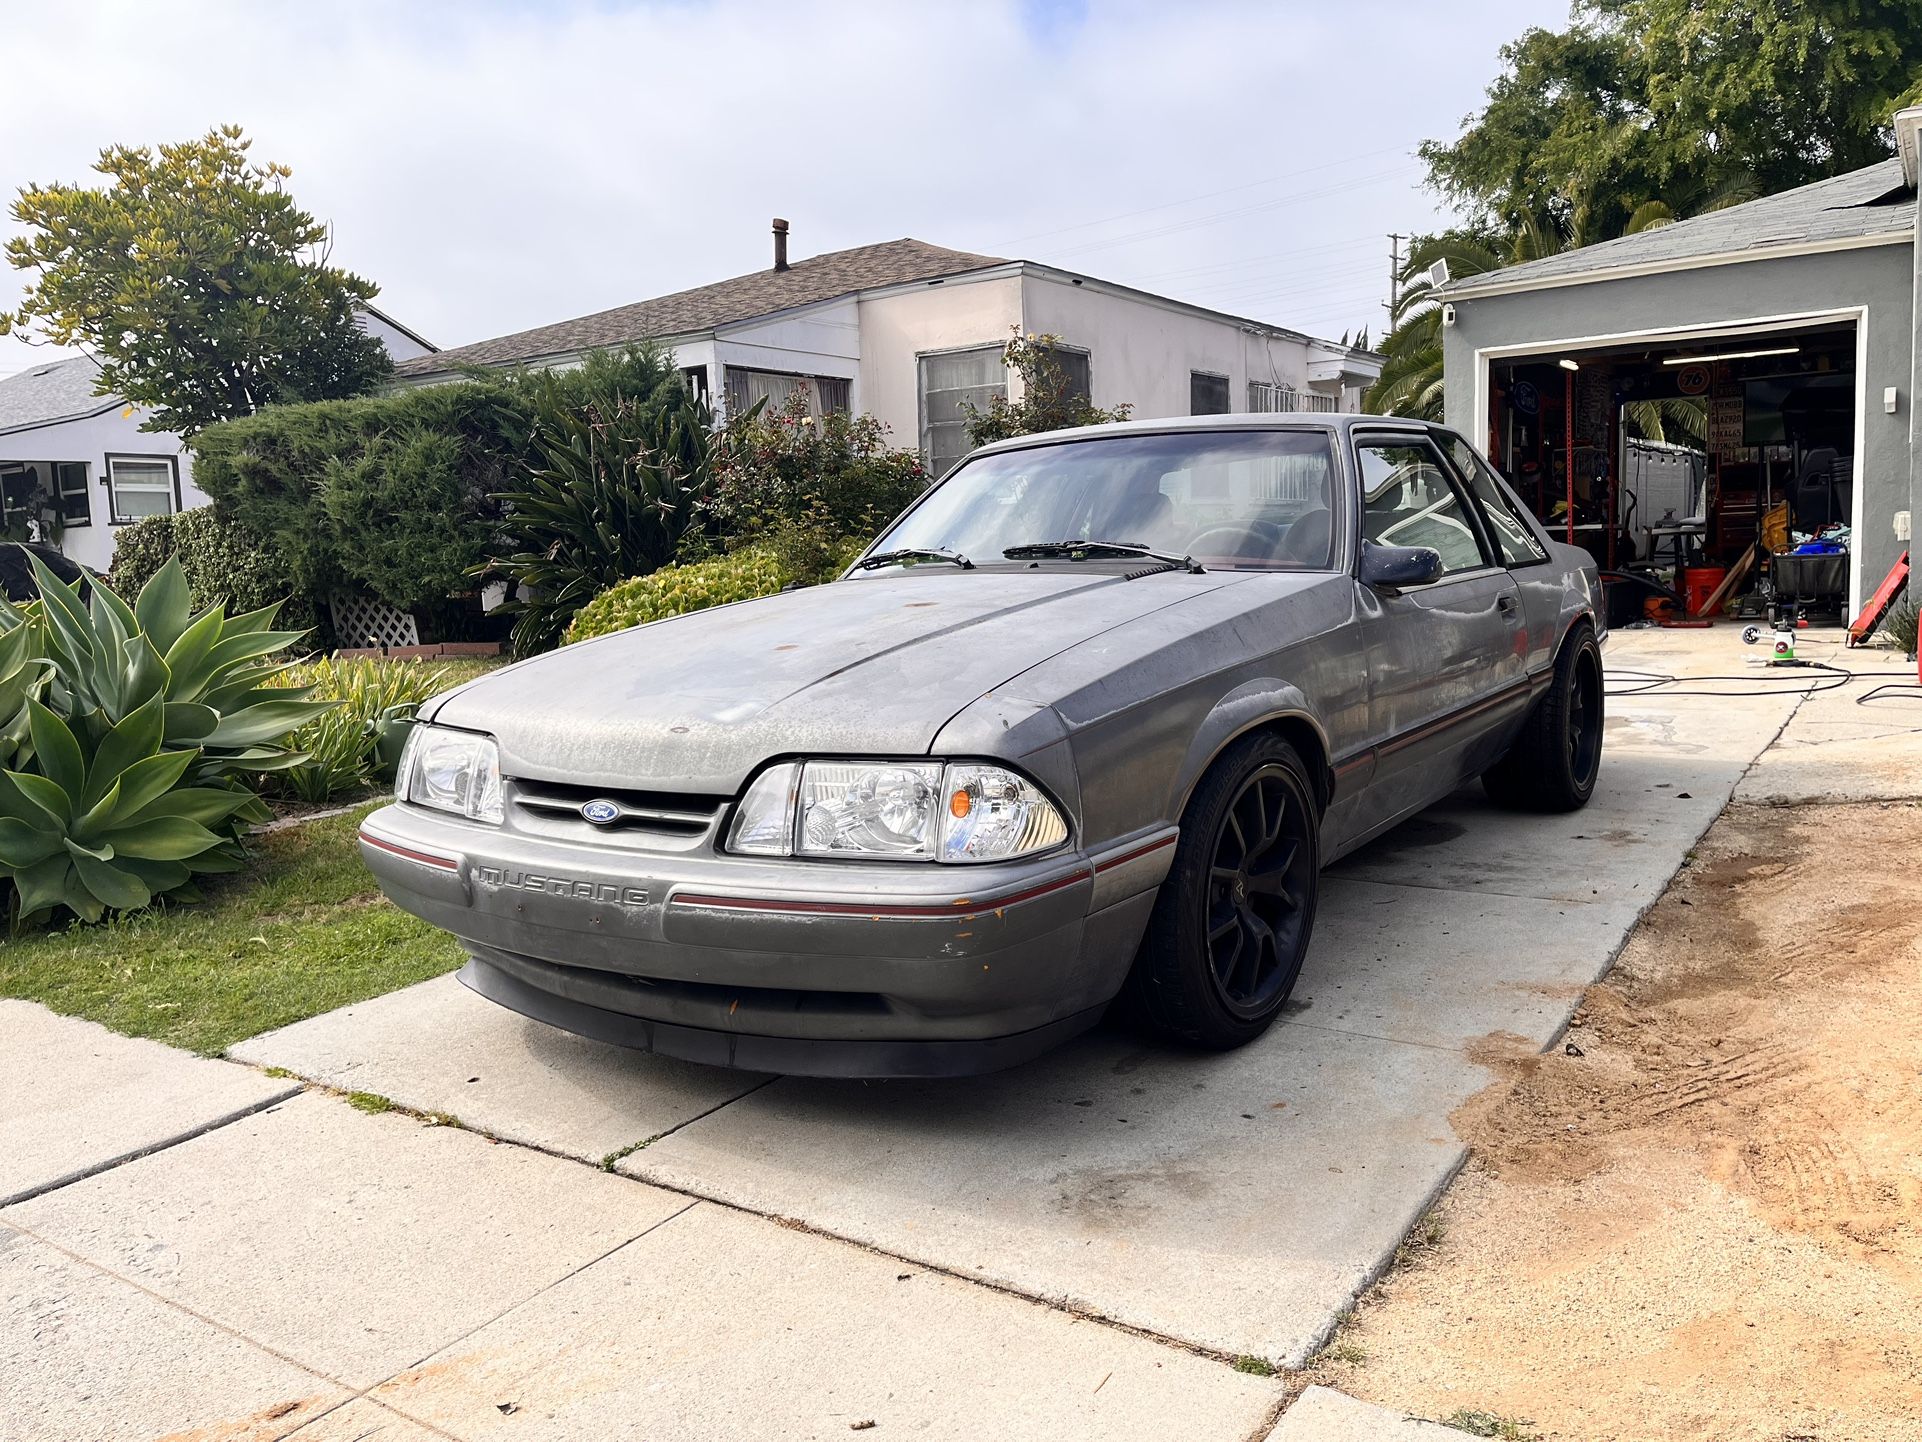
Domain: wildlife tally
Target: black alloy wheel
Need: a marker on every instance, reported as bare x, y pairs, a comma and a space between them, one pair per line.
1255, 892
1231, 925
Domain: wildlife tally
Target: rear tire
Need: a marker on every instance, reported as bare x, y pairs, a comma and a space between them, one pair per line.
1230, 928
1554, 762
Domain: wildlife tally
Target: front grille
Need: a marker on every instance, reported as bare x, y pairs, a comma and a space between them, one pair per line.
551, 808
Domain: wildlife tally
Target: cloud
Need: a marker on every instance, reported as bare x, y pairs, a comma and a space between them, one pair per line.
495, 166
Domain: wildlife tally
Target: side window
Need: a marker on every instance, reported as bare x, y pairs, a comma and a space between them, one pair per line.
1512, 536
1409, 499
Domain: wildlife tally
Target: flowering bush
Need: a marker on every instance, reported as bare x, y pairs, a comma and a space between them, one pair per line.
835, 474
1048, 401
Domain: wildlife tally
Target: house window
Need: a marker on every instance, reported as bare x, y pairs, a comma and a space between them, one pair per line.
1074, 370
36, 494
72, 494
1207, 394
139, 486
746, 387
695, 378
949, 380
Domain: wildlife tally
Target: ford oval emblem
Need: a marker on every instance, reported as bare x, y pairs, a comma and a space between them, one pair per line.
600, 812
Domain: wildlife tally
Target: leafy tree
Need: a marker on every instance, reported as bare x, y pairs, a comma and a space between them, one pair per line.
1697, 103
1048, 400
195, 280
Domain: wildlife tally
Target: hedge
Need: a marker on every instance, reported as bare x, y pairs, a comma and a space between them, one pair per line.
392, 494
222, 559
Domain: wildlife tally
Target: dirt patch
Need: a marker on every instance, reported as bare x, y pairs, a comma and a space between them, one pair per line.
1701, 1216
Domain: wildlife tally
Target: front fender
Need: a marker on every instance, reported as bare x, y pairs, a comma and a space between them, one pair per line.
1264, 701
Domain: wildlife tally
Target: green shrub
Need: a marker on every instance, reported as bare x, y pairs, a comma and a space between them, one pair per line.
1901, 624
834, 472
676, 590
222, 560
141, 722
1048, 401
619, 458
391, 493
338, 745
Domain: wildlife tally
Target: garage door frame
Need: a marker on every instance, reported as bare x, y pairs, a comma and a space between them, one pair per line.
1485, 356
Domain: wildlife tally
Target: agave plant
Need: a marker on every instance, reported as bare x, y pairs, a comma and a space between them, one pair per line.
212, 672
109, 825
124, 734
22, 675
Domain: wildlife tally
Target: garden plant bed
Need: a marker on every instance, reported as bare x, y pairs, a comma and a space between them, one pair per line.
1697, 1218
301, 930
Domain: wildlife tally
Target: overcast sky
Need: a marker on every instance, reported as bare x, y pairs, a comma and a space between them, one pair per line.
495, 165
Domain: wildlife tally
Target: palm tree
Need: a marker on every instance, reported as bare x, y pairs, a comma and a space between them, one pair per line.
1410, 383
1411, 379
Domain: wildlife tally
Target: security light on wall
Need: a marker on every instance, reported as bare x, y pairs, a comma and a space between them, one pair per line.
1569, 365
1437, 274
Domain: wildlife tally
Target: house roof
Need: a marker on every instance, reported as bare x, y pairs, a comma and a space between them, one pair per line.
52, 391
1859, 206
805, 282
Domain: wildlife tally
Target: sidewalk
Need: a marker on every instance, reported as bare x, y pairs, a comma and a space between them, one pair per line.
627, 1247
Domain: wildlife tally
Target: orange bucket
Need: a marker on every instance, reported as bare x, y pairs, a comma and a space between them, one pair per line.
1699, 584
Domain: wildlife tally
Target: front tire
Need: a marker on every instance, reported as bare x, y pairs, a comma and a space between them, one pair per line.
1230, 928
1554, 762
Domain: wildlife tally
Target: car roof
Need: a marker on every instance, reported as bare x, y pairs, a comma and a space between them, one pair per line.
1240, 421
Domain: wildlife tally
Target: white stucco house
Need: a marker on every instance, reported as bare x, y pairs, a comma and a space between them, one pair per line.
75, 465
906, 331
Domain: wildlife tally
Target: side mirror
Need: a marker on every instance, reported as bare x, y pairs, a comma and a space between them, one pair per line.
1391, 568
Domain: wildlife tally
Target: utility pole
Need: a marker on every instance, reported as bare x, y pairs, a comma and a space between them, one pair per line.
1394, 275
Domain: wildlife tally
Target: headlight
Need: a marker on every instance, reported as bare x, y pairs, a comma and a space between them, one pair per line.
910, 810
455, 771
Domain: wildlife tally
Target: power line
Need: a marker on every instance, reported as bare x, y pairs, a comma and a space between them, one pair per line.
1207, 195
1109, 243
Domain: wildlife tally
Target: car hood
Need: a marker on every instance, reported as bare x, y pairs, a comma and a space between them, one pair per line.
868, 666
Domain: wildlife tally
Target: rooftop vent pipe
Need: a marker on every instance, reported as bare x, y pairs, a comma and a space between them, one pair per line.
780, 244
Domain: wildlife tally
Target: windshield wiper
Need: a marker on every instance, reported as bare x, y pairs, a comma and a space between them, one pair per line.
913, 553
1081, 550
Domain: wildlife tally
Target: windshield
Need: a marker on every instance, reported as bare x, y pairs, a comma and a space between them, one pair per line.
1255, 500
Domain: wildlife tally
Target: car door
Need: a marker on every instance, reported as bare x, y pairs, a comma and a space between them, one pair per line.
1446, 660
1519, 547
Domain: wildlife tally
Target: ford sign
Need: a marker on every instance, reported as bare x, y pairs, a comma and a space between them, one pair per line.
601, 812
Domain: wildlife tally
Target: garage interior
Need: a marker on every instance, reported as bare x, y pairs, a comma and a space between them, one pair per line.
1712, 470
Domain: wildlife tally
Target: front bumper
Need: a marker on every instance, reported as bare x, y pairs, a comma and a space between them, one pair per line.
821, 968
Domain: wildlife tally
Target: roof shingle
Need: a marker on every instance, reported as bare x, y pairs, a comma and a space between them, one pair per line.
805, 282
52, 391
1868, 202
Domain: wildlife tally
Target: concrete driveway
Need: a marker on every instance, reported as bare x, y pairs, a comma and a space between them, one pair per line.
1214, 1207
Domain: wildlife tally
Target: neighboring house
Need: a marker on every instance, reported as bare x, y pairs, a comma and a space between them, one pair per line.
906, 332
75, 465
1794, 320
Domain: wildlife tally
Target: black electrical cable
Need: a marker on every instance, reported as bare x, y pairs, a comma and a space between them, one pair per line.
1644, 683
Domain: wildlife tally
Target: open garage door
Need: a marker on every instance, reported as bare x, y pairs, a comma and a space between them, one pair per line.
1718, 463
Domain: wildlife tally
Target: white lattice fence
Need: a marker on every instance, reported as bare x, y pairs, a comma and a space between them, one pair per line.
369, 621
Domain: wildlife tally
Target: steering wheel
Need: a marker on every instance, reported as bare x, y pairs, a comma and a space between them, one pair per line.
1265, 533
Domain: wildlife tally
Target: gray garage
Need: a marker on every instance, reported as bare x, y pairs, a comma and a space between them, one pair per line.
1789, 323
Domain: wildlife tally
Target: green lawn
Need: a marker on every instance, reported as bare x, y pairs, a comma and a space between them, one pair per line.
303, 930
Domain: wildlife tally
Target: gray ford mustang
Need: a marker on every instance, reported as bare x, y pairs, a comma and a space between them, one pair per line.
1084, 725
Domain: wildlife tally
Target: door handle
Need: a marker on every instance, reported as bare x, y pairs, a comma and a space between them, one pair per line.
1506, 605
